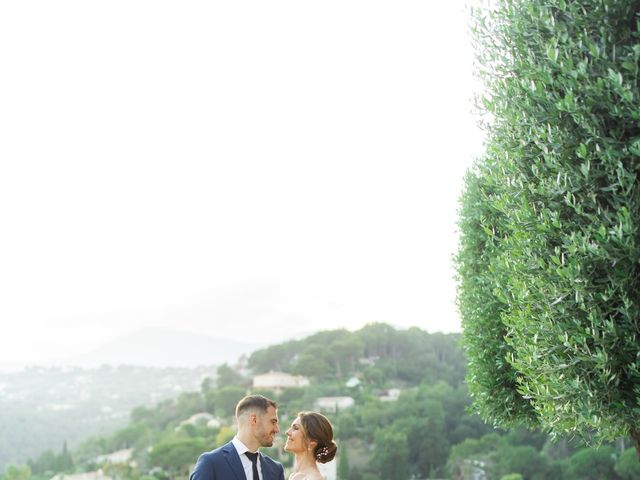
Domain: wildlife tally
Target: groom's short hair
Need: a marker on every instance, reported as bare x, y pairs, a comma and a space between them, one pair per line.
254, 402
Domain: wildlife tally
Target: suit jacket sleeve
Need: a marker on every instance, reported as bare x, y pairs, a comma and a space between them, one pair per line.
277, 469
271, 469
204, 468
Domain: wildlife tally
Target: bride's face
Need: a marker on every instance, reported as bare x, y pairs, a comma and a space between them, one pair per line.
296, 439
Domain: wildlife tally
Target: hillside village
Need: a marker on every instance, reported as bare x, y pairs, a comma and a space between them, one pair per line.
274, 381
397, 400
348, 373
43, 407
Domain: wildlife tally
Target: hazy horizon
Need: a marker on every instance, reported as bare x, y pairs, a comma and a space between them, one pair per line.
146, 338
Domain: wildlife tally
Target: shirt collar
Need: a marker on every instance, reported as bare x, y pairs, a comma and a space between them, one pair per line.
240, 447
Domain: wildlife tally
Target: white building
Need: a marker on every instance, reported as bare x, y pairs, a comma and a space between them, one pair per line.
279, 380
121, 456
201, 418
333, 404
390, 395
97, 475
353, 382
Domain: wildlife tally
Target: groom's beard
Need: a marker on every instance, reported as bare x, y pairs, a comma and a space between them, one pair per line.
266, 438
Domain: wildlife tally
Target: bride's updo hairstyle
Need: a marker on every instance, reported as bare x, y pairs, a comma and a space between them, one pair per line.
318, 428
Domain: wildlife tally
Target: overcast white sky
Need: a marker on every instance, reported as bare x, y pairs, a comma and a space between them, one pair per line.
244, 170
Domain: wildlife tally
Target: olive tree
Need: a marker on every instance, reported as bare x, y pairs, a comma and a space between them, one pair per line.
549, 256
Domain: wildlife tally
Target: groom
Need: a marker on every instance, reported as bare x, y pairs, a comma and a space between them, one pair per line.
239, 459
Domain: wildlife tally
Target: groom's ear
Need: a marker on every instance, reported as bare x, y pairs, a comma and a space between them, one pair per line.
253, 418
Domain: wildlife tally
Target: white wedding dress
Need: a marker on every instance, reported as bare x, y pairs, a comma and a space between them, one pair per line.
299, 476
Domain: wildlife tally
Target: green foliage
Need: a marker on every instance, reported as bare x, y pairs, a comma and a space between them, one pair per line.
227, 376
512, 476
559, 448
224, 435
64, 461
410, 356
525, 460
313, 362
291, 394
208, 394
226, 399
343, 463
156, 418
128, 437
592, 464
189, 403
628, 466
177, 455
121, 471
391, 455
86, 452
429, 416
49, 463
13, 472
492, 379
426, 415
45, 463
475, 447
473, 450
523, 436
67, 403
345, 425
275, 357
425, 427
549, 260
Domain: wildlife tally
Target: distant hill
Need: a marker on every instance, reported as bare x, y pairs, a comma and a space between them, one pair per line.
378, 351
406, 383
159, 347
42, 407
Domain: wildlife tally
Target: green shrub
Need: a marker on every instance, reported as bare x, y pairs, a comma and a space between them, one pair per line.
512, 476
628, 465
592, 464
549, 261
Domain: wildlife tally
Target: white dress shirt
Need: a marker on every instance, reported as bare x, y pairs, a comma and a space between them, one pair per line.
246, 463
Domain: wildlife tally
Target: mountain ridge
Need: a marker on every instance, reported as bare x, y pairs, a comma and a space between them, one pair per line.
163, 347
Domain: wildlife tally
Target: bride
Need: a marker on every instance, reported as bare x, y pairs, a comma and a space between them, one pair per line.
310, 439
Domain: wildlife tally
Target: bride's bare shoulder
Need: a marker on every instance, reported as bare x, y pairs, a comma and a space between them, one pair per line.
302, 476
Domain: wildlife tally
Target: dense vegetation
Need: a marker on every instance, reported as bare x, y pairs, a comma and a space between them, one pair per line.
425, 433
549, 262
410, 356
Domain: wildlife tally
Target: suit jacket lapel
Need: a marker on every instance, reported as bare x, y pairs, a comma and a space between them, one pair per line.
232, 457
266, 470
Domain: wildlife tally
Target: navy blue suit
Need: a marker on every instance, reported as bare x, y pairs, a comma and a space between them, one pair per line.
224, 463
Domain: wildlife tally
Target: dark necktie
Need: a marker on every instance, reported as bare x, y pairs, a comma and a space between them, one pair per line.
254, 464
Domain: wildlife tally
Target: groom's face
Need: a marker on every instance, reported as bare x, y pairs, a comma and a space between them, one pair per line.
267, 427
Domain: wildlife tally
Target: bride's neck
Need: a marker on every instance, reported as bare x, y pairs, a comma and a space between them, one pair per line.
304, 461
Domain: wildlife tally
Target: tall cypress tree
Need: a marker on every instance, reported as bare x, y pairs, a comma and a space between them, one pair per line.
343, 463
549, 259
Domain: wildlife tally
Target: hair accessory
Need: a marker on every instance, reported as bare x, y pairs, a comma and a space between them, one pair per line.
324, 451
